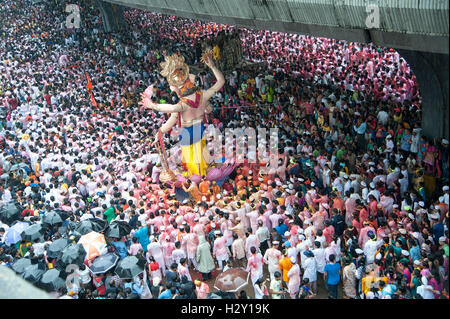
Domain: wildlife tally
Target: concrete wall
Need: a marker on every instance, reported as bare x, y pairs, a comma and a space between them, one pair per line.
112, 15
431, 70
409, 25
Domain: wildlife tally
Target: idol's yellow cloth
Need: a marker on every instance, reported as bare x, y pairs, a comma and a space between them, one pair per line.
192, 147
193, 159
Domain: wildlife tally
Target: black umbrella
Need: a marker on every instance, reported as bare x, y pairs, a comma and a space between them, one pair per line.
33, 232
130, 267
72, 254
220, 295
52, 280
20, 265
103, 263
10, 213
91, 224
52, 218
118, 229
55, 248
64, 214
33, 273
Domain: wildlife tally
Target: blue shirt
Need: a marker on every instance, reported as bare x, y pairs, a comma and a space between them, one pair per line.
281, 230
166, 294
361, 129
438, 231
134, 288
121, 248
332, 271
405, 142
415, 253
389, 290
142, 236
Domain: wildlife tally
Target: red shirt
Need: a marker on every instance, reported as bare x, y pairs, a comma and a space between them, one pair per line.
47, 98
24, 212
101, 289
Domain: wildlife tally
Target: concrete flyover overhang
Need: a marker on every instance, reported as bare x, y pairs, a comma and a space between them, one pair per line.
410, 24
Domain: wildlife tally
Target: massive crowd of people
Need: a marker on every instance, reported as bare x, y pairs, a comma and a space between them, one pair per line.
358, 204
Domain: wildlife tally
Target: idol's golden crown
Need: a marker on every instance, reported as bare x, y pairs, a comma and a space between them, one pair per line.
175, 70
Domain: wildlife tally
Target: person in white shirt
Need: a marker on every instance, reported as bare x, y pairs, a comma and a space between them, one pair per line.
319, 256
371, 247
178, 253
426, 290
310, 270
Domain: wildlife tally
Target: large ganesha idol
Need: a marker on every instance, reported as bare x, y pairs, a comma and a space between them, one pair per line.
189, 114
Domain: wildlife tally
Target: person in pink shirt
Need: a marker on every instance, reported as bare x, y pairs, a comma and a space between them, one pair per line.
251, 241
191, 243
294, 278
201, 288
183, 269
168, 248
328, 231
135, 247
350, 206
255, 265
220, 251
253, 218
199, 229
155, 250
363, 238
317, 219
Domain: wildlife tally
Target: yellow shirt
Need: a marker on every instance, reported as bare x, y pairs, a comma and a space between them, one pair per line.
285, 265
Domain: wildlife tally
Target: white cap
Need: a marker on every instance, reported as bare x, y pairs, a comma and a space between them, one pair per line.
372, 185
405, 253
421, 204
346, 176
411, 216
293, 260
313, 184
402, 231
363, 183
417, 262
445, 188
359, 251
301, 237
287, 234
442, 239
